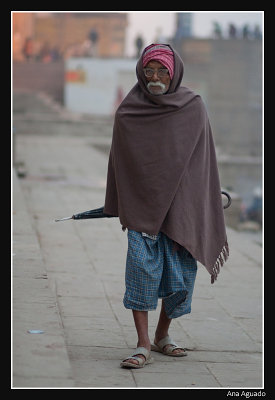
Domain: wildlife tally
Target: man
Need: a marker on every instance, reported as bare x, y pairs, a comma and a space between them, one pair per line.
163, 184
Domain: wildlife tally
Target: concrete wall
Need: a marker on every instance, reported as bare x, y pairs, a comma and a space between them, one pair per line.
228, 75
97, 86
40, 77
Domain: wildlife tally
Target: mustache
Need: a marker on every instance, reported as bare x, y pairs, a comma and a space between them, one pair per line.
156, 84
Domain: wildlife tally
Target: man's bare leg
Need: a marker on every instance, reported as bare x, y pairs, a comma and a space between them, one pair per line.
141, 323
163, 327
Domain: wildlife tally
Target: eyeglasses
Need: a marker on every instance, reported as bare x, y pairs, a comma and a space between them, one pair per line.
149, 72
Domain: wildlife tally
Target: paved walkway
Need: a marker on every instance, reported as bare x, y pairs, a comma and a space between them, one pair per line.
68, 277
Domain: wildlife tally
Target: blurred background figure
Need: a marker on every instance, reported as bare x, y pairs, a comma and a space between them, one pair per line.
251, 215
254, 211
45, 53
119, 98
28, 49
217, 30
257, 33
246, 32
139, 46
232, 31
92, 43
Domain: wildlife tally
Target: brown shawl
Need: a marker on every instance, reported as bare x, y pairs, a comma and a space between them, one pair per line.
162, 172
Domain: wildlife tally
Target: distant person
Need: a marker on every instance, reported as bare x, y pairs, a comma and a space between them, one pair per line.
257, 32
118, 98
232, 31
254, 211
28, 49
55, 54
139, 45
246, 32
163, 184
45, 53
217, 30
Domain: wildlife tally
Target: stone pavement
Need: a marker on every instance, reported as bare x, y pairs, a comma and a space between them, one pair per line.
68, 277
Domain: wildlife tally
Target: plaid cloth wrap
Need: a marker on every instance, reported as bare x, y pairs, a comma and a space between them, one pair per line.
154, 270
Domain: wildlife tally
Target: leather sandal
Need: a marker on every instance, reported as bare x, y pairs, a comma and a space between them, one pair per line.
141, 361
169, 350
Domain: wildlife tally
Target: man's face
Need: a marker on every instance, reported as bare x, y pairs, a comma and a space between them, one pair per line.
160, 80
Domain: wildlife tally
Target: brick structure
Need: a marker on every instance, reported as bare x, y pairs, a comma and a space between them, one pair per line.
22, 25
69, 33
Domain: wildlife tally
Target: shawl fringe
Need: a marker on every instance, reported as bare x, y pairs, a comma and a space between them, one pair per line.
223, 256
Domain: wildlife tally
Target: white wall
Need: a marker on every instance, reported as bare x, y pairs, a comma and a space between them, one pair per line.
97, 91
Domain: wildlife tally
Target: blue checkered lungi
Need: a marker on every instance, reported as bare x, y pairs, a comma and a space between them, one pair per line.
154, 270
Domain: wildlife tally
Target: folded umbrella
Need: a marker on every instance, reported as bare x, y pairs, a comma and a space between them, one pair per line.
98, 212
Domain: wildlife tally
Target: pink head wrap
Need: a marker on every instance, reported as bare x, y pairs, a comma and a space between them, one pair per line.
160, 53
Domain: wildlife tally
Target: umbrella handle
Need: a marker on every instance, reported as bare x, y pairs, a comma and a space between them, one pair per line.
229, 200
63, 219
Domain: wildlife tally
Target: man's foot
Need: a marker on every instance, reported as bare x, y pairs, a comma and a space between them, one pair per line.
147, 346
139, 359
168, 347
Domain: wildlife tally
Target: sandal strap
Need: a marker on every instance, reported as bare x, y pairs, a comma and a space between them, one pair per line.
171, 349
166, 340
143, 351
139, 350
